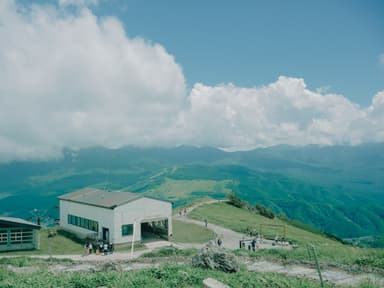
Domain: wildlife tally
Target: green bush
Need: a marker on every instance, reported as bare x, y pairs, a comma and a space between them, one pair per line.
264, 211
235, 200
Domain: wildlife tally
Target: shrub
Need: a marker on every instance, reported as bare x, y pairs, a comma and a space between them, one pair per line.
264, 211
235, 200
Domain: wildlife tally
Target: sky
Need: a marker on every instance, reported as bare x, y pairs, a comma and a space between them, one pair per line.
230, 74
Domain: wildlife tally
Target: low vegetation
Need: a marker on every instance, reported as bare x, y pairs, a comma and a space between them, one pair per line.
164, 276
169, 252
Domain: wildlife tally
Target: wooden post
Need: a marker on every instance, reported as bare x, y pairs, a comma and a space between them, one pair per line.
312, 248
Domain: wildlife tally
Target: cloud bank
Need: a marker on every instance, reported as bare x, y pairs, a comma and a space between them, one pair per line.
71, 79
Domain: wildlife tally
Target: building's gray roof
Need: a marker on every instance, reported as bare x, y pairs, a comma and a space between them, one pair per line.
100, 198
10, 221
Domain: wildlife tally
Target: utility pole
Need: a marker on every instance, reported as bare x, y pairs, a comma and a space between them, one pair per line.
133, 237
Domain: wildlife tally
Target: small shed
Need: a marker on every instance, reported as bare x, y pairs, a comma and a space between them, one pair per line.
18, 234
115, 217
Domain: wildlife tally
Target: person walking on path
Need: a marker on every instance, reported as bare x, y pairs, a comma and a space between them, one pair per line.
253, 244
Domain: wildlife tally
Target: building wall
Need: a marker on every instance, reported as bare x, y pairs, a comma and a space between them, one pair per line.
136, 212
102, 215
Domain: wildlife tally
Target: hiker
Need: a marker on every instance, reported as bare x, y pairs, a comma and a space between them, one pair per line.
105, 249
253, 244
101, 246
219, 242
206, 223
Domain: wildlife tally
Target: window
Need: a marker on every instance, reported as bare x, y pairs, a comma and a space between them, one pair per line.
127, 230
83, 222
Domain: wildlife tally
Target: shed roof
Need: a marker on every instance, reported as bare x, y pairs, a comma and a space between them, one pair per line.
100, 198
17, 222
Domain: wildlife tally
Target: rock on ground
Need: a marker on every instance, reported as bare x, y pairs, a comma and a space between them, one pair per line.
216, 259
213, 283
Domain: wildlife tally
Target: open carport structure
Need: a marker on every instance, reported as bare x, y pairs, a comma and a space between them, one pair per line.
18, 234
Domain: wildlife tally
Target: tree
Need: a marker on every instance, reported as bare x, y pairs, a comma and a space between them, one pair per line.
264, 211
235, 200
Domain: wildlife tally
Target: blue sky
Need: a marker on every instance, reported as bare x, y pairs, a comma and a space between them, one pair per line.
250, 43
236, 75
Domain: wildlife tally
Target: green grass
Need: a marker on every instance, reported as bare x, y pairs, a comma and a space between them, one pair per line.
328, 250
183, 191
62, 243
190, 233
164, 276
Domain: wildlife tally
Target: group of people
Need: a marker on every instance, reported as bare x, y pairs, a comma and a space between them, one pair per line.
251, 244
102, 248
183, 212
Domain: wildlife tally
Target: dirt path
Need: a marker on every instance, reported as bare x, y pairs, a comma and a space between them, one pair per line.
116, 256
230, 239
337, 277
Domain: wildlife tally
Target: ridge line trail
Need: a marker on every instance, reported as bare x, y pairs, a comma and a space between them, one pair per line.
229, 237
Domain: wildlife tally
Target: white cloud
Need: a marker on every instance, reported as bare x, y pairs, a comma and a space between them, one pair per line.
76, 80
284, 112
72, 79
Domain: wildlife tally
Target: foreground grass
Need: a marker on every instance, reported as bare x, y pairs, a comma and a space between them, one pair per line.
164, 276
190, 233
329, 251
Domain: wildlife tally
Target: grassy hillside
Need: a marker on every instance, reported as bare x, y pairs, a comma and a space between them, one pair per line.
329, 250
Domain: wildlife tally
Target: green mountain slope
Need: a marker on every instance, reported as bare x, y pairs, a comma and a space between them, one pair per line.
336, 189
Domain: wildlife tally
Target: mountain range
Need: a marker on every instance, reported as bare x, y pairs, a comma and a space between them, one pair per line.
337, 189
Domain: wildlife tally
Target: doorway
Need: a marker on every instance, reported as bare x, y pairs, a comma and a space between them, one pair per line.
154, 229
105, 232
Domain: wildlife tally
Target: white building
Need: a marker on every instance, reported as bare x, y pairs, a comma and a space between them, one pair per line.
112, 216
